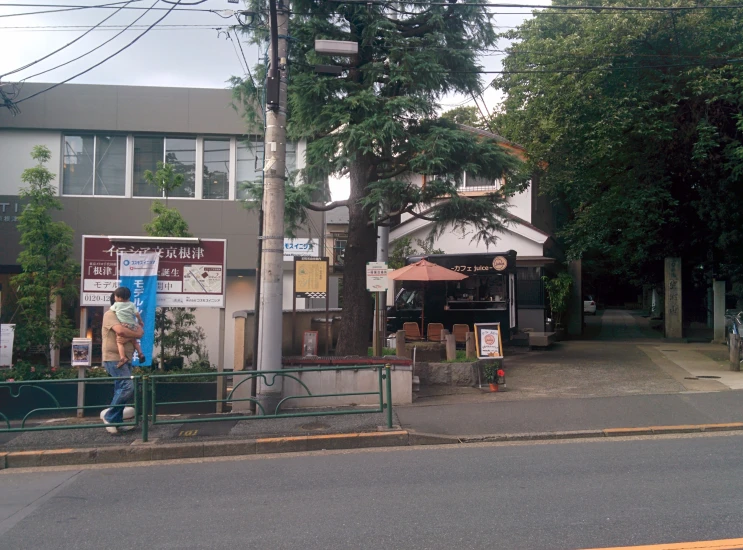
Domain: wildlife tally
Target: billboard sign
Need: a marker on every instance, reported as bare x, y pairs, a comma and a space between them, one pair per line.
301, 247
190, 274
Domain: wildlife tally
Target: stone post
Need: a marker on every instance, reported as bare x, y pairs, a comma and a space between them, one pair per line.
672, 322
400, 344
734, 353
718, 315
451, 347
470, 346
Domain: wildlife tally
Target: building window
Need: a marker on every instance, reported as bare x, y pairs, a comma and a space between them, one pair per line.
77, 177
530, 288
339, 250
247, 169
478, 183
148, 151
110, 165
181, 153
216, 168
94, 165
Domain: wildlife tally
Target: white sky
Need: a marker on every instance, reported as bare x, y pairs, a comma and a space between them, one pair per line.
179, 56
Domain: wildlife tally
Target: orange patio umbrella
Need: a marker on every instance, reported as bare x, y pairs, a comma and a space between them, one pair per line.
424, 270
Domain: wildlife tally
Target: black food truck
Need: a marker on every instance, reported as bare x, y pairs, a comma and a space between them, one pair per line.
487, 295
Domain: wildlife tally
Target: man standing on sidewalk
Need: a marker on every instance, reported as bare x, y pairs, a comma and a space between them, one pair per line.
123, 386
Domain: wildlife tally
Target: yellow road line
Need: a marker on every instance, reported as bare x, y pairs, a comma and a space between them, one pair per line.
726, 544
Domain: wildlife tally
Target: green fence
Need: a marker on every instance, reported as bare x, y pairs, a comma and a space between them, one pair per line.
45, 392
146, 404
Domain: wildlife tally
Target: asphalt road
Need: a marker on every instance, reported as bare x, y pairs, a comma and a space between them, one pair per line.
527, 496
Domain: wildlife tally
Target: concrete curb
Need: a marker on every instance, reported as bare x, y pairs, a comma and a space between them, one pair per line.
363, 440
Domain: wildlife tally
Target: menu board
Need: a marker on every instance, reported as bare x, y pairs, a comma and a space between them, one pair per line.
488, 341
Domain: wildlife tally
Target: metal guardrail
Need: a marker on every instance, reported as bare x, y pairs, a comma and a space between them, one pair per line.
14, 390
146, 404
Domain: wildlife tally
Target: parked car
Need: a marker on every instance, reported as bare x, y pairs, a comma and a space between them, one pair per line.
589, 305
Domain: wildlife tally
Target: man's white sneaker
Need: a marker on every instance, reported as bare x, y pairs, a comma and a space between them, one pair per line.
109, 429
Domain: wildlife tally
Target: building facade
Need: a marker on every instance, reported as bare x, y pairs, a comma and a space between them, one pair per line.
102, 140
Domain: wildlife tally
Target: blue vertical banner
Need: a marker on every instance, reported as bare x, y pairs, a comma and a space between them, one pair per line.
138, 273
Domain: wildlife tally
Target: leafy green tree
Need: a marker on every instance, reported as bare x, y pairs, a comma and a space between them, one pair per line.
46, 260
634, 118
378, 123
177, 334
558, 294
469, 116
403, 247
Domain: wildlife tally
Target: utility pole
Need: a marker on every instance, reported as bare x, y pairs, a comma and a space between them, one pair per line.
274, 177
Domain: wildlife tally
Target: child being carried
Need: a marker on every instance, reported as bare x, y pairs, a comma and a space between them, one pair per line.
127, 314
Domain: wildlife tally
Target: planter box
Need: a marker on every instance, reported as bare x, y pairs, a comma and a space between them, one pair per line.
99, 395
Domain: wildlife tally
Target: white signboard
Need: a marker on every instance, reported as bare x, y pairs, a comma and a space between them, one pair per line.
376, 276
301, 247
7, 332
488, 340
82, 352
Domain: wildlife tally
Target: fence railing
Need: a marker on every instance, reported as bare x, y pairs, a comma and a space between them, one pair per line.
147, 405
10, 391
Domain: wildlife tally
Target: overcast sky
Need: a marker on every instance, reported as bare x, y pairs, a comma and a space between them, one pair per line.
184, 50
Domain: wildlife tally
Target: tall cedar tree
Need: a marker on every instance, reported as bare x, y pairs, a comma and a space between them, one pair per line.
637, 118
378, 123
46, 260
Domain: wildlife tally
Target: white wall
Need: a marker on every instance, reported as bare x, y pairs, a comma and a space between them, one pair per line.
455, 242
16, 146
520, 205
240, 295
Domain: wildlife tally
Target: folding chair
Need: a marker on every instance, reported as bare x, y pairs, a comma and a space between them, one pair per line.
460, 333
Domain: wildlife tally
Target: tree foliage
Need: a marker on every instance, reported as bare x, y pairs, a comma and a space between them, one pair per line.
46, 260
635, 120
378, 124
469, 116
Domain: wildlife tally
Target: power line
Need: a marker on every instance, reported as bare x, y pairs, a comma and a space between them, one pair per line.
104, 60
26, 66
537, 6
94, 49
73, 7
69, 28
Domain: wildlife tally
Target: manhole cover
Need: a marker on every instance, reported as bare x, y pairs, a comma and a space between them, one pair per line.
708, 377
315, 426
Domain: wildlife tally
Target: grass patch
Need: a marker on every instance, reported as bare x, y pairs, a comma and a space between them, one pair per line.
385, 352
461, 357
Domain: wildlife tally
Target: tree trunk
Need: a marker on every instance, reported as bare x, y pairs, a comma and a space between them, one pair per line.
356, 318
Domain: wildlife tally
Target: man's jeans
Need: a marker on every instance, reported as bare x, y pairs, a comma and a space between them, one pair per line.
123, 390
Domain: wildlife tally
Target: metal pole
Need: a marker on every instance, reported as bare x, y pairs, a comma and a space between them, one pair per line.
220, 362
328, 337
272, 256
388, 372
257, 307
145, 399
81, 370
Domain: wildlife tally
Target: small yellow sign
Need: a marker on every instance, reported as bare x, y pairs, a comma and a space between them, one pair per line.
311, 277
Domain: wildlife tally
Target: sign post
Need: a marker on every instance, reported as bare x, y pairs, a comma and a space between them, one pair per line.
376, 282
310, 281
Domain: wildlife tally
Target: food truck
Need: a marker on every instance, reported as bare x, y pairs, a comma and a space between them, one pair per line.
487, 295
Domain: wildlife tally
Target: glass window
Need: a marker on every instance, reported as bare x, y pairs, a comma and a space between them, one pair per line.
480, 182
291, 158
77, 178
247, 170
110, 165
181, 153
216, 168
147, 152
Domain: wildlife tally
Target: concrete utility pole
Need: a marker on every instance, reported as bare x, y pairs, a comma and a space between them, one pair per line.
272, 255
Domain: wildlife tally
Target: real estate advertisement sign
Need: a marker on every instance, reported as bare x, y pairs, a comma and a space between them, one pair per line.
190, 274
376, 276
7, 333
488, 341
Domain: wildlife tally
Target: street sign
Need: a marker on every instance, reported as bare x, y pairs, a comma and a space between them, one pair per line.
376, 276
190, 274
7, 332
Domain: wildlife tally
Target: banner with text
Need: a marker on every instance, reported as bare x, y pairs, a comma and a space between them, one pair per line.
138, 273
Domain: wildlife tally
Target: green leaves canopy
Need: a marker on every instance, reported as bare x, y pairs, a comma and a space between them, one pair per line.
635, 119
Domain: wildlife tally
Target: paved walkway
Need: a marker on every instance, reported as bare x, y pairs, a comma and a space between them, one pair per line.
619, 324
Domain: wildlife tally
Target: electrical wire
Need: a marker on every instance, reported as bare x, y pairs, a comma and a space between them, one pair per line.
535, 6
104, 60
72, 7
26, 66
93, 50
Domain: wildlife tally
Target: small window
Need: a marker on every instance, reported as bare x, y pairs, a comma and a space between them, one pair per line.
216, 168
110, 165
181, 153
148, 151
248, 169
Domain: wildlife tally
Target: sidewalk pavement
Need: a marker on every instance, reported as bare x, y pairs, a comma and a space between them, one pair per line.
599, 387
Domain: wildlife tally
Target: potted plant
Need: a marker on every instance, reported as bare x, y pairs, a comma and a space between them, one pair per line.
490, 370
